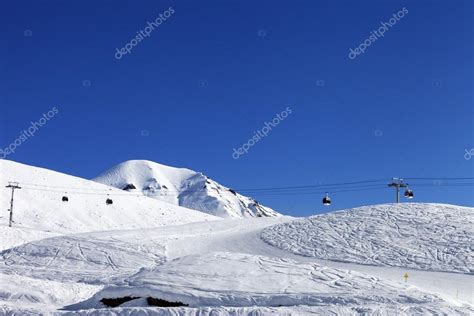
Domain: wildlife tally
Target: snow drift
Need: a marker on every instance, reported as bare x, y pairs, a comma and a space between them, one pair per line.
419, 236
182, 187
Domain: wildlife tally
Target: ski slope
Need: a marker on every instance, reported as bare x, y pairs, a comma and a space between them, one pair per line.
86, 259
13, 236
242, 280
216, 266
40, 212
63, 258
182, 187
421, 236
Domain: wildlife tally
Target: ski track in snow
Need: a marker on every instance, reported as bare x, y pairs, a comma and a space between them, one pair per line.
71, 254
418, 236
193, 246
240, 280
93, 261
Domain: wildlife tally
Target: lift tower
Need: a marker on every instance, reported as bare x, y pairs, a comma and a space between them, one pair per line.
13, 186
397, 183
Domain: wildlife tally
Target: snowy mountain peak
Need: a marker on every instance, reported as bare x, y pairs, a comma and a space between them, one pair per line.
39, 205
181, 186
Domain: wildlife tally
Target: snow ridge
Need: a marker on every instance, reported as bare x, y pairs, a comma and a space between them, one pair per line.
182, 187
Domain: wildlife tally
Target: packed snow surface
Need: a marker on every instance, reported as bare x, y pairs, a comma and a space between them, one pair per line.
212, 262
86, 259
299, 310
13, 236
419, 236
71, 254
239, 280
182, 187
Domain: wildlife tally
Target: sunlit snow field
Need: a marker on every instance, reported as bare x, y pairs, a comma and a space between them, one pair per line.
66, 258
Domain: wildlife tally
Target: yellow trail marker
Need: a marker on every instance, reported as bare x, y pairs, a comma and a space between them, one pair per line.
406, 277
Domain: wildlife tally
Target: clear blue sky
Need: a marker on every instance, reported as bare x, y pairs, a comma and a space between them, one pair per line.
211, 74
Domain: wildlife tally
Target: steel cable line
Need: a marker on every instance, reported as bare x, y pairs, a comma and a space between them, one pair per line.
240, 190
111, 191
363, 189
443, 185
322, 192
304, 192
311, 186
81, 193
343, 184
308, 189
164, 193
466, 178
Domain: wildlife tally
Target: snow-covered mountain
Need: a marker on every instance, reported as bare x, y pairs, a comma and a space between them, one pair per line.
86, 257
182, 187
39, 209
